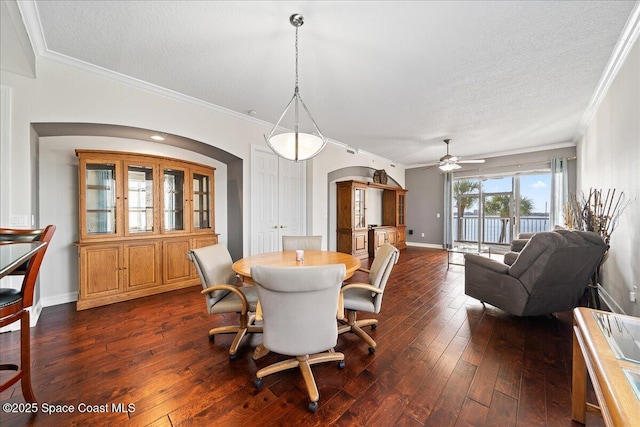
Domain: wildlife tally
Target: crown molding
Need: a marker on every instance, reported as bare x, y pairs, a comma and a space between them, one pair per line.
31, 18
555, 146
29, 12
628, 37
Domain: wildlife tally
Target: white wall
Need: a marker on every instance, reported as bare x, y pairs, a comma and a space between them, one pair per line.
63, 94
609, 157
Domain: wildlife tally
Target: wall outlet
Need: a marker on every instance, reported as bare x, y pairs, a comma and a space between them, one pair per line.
632, 296
19, 220
438, 215
421, 234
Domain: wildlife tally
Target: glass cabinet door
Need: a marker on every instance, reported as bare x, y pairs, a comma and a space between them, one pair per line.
401, 209
173, 198
360, 218
140, 199
100, 199
202, 192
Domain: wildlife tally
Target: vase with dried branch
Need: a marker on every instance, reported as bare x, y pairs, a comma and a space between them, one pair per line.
598, 212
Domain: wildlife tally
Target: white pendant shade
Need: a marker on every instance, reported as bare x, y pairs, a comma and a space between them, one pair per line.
284, 145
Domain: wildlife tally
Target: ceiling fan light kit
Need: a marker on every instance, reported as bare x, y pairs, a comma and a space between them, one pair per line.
296, 145
450, 163
448, 167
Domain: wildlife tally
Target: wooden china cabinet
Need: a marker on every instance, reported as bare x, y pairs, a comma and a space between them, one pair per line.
352, 218
394, 213
138, 217
355, 237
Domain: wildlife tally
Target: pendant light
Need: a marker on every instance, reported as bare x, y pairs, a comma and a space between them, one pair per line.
296, 145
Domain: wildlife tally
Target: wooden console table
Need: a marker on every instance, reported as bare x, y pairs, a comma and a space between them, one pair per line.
612, 367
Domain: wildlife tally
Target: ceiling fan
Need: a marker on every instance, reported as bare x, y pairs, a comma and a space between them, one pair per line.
448, 162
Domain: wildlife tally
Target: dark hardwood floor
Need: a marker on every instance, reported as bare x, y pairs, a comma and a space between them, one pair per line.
442, 360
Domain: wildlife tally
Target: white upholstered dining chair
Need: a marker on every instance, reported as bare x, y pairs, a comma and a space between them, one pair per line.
222, 295
299, 305
306, 243
367, 297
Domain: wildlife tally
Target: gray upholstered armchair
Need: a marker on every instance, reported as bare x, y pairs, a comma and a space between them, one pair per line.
550, 274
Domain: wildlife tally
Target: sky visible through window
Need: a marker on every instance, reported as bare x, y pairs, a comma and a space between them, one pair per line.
536, 187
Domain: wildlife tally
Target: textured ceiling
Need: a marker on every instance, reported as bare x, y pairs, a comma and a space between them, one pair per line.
392, 78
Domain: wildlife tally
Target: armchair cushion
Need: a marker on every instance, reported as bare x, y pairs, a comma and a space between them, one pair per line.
231, 302
359, 300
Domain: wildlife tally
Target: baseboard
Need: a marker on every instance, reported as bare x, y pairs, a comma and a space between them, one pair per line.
425, 245
34, 315
60, 299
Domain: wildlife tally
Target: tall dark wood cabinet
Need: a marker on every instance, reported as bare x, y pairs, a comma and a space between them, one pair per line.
354, 236
394, 212
352, 218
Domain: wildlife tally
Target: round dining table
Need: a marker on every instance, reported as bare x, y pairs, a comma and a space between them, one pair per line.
243, 266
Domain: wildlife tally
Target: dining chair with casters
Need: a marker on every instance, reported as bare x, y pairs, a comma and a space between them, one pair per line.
299, 306
223, 295
367, 297
14, 304
306, 243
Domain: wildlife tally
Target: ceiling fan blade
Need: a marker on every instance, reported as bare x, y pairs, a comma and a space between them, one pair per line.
472, 161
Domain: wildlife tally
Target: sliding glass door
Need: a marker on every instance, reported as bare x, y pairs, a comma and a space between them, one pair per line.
494, 210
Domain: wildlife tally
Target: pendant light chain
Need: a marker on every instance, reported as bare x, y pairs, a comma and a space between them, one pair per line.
297, 59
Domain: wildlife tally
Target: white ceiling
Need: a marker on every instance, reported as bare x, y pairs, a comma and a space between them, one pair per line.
392, 78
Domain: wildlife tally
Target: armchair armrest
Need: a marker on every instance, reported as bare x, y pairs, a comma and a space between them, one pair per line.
231, 288
510, 257
518, 244
490, 281
487, 263
346, 287
361, 286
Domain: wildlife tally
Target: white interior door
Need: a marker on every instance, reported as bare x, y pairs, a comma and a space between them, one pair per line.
277, 200
290, 198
